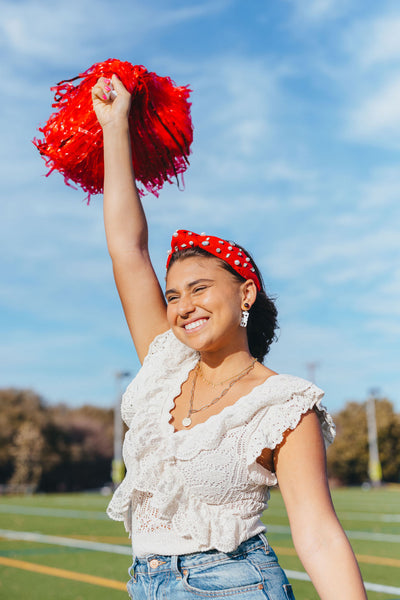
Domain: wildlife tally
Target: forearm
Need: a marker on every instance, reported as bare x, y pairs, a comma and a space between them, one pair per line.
319, 538
329, 560
124, 218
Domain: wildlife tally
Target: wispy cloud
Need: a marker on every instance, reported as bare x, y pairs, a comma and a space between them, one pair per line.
316, 11
284, 160
375, 41
370, 79
53, 32
376, 118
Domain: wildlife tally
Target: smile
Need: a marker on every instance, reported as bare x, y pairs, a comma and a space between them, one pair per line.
195, 324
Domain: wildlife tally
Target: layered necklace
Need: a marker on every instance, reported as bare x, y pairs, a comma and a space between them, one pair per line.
187, 421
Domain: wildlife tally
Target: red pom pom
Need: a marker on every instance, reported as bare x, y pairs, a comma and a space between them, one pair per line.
160, 128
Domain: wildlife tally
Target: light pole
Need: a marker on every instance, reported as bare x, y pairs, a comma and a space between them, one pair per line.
374, 467
118, 469
311, 368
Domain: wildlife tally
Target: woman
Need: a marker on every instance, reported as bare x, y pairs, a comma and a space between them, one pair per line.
210, 427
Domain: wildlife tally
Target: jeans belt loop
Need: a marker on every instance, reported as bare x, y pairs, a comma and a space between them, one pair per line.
175, 566
131, 569
264, 541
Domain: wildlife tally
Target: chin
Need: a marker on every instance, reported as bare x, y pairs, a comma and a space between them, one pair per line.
194, 341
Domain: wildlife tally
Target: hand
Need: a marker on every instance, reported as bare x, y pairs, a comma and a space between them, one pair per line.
111, 109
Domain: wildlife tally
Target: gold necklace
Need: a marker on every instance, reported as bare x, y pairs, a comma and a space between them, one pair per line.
187, 421
214, 385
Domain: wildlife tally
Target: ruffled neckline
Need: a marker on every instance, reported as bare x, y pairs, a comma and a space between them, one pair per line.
166, 368
227, 411
185, 444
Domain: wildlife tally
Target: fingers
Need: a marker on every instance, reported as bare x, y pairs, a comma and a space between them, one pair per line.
111, 101
118, 85
101, 90
108, 89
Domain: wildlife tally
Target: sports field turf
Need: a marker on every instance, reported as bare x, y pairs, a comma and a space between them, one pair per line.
44, 568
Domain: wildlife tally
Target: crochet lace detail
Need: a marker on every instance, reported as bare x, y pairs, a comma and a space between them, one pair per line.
202, 484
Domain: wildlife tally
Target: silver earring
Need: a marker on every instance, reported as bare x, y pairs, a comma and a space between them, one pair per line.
244, 319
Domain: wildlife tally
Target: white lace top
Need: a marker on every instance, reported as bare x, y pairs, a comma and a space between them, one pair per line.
200, 489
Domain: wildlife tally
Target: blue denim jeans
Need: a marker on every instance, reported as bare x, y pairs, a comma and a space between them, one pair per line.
251, 572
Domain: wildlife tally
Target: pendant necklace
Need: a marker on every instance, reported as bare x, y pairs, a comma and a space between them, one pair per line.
187, 421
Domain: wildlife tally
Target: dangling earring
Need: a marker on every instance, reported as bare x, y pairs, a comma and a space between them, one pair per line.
245, 315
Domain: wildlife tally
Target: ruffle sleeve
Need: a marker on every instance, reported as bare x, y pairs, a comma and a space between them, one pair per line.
296, 397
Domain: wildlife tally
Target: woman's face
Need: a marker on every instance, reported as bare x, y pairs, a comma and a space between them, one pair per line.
204, 304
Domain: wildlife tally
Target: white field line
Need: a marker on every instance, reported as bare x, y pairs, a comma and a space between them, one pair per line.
384, 518
116, 549
53, 512
358, 516
28, 536
354, 535
371, 587
99, 515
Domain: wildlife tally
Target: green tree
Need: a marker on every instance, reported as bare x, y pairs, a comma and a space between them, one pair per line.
17, 407
348, 455
27, 452
53, 447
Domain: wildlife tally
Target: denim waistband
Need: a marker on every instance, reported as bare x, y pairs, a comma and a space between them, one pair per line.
156, 563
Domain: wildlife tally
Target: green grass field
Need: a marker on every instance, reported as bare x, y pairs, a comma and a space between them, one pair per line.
36, 570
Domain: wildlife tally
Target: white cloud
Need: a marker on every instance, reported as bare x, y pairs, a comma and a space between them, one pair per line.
316, 11
376, 41
341, 359
376, 118
240, 92
369, 78
381, 189
62, 33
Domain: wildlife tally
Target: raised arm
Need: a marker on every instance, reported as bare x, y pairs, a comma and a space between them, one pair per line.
319, 539
125, 221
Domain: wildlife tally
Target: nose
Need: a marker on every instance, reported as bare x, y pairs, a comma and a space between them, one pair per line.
185, 306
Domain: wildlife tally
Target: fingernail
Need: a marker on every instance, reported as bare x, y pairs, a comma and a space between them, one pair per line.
108, 81
107, 88
105, 97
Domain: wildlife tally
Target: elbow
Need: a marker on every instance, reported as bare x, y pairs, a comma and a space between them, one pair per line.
315, 538
132, 250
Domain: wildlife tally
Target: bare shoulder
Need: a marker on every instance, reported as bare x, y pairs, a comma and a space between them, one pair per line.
262, 373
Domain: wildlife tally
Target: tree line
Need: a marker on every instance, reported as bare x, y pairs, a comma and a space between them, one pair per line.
49, 448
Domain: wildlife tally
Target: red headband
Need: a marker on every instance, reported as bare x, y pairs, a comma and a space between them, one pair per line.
229, 252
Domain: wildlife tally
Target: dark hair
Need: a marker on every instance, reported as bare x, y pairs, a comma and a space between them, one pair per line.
263, 315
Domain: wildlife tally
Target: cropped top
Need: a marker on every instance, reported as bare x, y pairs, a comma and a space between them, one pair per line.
200, 489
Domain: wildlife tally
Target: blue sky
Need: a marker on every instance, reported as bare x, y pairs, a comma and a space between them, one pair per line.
296, 110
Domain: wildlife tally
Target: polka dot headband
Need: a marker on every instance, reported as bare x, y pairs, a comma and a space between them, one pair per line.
229, 252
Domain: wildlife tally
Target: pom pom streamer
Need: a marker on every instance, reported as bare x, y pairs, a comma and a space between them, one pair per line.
160, 127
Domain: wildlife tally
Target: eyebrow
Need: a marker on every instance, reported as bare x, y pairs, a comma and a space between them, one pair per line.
189, 285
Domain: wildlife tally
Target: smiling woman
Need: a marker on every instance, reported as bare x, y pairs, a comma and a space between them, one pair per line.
210, 428
261, 321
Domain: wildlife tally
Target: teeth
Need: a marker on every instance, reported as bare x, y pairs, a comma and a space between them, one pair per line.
195, 324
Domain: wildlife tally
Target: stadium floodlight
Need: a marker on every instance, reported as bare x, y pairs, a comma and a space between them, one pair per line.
374, 466
117, 468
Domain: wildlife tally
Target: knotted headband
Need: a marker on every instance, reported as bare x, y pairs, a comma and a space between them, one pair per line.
229, 252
